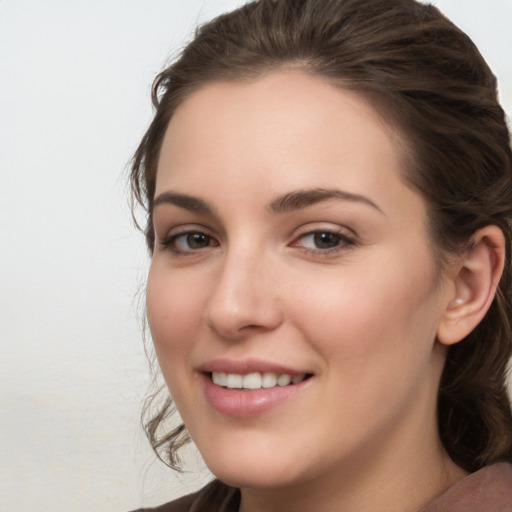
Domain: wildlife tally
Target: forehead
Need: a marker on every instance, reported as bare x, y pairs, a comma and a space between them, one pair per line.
285, 102
287, 129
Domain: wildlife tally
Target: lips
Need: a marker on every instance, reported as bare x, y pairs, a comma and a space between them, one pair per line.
249, 388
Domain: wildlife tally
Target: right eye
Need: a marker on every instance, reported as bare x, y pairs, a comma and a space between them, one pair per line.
188, 242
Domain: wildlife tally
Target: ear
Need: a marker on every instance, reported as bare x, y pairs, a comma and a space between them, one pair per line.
475, 280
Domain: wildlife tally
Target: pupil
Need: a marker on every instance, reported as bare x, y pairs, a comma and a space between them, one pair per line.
326, 240
198, 240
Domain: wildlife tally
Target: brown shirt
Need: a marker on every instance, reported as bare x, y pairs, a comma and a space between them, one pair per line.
487, 490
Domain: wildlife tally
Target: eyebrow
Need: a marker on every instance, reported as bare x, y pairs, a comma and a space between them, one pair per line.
191, 203
288, 202
298, 199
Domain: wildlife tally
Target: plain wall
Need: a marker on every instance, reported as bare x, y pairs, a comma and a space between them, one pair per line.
74, 100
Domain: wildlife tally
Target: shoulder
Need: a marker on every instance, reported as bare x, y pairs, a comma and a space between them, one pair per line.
215, 497
489, 489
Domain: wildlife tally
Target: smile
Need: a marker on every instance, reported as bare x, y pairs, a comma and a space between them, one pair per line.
256, 380
246, 389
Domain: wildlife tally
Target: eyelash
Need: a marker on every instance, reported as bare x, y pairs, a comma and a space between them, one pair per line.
342, 242
169, 242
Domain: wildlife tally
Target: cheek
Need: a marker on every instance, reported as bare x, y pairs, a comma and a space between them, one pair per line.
174, 311
375, 333
372, 312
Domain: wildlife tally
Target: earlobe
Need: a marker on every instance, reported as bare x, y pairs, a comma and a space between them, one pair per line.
474, 285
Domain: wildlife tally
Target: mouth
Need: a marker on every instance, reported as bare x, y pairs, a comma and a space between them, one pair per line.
256, 380
250, 387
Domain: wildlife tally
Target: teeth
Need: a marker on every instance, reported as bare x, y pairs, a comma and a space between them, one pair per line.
252, 381
220, 378
255, 380
284, 379
269, 380
298, 378
234, 380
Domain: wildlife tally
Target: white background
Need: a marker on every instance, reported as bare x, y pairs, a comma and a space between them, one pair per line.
74, 100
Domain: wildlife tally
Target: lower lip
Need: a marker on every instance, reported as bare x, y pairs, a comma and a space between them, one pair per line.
248, 403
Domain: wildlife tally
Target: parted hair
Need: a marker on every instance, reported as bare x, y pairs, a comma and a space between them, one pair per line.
427, 77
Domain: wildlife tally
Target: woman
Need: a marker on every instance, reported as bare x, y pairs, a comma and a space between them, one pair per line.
329, 197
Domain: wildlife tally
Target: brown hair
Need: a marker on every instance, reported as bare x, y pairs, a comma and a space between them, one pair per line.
409, 60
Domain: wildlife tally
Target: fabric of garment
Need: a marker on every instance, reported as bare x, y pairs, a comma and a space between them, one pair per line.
487, 490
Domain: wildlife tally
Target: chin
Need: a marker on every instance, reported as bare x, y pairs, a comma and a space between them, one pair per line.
247, 471
255, 477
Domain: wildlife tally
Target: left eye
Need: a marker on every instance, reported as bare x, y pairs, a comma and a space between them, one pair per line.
193, 241
189, 242
322, 240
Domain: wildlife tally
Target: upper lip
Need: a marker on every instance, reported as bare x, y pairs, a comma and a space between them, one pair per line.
246, 366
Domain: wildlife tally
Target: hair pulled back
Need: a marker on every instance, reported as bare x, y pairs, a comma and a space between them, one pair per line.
428, 78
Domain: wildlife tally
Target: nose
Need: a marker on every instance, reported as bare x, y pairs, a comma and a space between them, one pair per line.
244, 298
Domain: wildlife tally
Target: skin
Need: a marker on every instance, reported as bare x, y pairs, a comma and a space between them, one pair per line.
362, 315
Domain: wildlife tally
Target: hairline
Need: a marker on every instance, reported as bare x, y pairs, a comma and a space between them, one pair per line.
381, 106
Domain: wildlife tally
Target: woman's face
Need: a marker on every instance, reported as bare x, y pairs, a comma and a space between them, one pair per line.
290, 248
